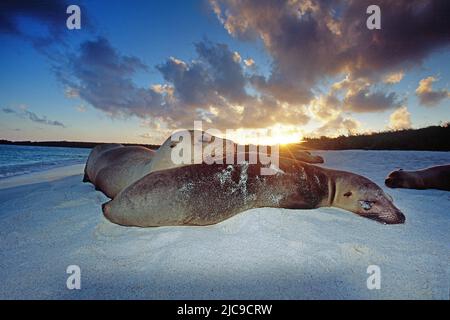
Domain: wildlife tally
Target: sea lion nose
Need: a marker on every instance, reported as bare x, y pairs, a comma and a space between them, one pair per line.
319, 159
397, 218
400, 217
388, 182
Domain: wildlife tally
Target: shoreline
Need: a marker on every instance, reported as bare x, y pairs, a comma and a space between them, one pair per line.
42, 176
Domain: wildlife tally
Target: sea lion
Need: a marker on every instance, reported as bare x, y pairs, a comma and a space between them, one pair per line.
117, 168
288, 151
204, 194
163, 158
437, 177
92, 159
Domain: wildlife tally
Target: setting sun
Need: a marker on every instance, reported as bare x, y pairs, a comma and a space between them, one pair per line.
277, 134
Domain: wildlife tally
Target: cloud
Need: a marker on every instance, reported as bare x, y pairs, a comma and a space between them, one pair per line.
366, 101
326, 107
47, 21
394, 77
102, 76
8, 110
249, 62
33, 117
427, 96
338, 126
400, 119
71, 93
53, 13
309, 43
311, 40
211, 87
81, 108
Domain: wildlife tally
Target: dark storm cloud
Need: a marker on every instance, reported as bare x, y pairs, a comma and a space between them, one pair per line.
34, 117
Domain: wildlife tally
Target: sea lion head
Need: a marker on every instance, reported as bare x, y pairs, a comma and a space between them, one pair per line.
365, 198
398, 179
306, 156
287, 151
186, 139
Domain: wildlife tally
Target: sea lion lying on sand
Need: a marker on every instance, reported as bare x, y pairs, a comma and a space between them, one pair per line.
437, 177
113, 167
204, 194
116, 168
96, 152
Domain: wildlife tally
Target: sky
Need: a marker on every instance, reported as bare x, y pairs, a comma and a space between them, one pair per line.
282, 70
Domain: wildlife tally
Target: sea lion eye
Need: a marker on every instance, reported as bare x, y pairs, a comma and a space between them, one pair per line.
347, 194
366, 204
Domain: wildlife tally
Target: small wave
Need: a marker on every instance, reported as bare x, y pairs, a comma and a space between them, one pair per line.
16, 161
12, 174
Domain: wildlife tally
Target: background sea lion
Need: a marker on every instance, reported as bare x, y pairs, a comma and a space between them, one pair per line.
300, 155
117, 168
163, 160
92, 159
437, 177
163, 156
206, 194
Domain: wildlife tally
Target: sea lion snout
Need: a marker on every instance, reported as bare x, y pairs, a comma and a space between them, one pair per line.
395, 179
386, 215
317, 159
384, 211
396, 217
400, 218
390, 182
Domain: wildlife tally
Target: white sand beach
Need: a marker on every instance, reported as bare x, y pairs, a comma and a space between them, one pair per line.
51, 220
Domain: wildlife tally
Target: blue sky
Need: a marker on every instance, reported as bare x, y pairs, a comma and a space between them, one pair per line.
34, 97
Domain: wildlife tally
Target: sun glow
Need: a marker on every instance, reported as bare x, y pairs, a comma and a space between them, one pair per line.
277, 134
